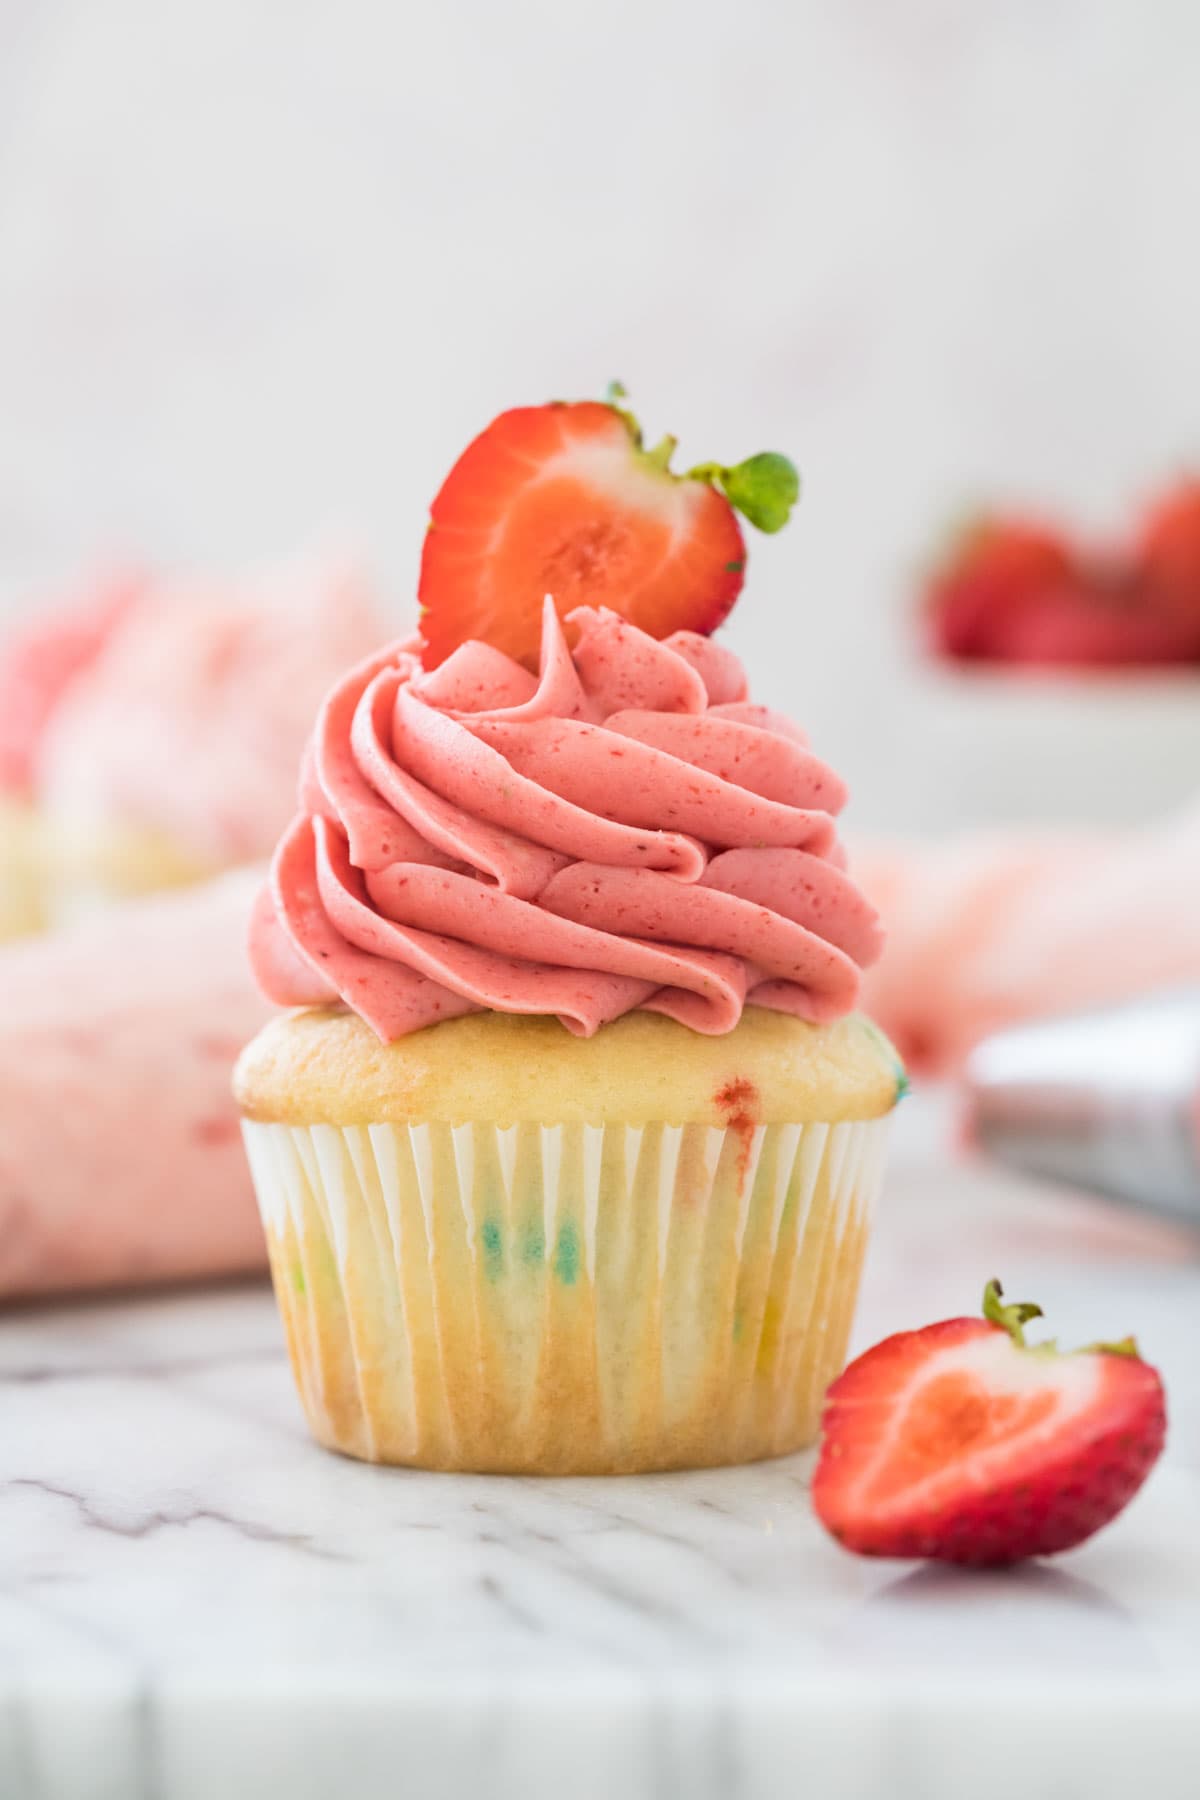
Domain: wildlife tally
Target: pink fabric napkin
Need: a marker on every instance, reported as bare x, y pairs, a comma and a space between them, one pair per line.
120, 1155
987, 930
120, 1150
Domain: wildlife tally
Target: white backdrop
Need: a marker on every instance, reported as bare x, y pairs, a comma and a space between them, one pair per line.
265, 266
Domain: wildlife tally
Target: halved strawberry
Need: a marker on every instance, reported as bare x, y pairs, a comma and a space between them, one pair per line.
964, 1444
564, 500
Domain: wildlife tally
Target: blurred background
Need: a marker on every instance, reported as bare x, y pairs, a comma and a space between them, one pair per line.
265, 267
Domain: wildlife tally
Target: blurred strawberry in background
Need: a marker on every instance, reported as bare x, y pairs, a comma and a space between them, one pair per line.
1015, 590
1168, 555
996, 573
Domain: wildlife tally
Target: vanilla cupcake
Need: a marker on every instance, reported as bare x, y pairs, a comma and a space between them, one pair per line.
505, 1247
569, 1166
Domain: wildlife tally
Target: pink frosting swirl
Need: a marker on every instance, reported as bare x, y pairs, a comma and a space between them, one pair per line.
625, 830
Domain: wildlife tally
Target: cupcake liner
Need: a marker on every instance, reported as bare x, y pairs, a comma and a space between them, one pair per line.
566, 1299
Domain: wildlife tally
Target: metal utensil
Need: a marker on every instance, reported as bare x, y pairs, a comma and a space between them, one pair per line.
1107, 1100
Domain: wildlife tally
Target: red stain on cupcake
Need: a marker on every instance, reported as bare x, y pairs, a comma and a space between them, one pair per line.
738, 1100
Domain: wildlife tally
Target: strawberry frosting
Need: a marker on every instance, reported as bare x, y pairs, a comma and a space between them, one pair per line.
624, 830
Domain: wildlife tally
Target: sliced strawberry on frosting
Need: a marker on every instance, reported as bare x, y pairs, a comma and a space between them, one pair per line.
564, 500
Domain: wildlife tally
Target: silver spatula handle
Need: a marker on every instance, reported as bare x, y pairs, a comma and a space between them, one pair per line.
1107, 1100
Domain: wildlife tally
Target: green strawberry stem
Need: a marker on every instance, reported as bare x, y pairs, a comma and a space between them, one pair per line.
663, 451
763, 488
1013, 1319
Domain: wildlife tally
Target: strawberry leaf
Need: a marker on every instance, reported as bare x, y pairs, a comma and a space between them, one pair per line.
764, 489
1013, 1319
1122, 1347
615, 395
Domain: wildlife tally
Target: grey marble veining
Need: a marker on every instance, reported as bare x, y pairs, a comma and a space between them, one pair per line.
195, 1601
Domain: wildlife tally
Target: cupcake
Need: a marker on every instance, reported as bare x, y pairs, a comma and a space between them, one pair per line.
154, 731
567, 1164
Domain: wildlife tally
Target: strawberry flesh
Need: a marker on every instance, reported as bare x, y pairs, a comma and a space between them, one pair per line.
961, 1444
562, 500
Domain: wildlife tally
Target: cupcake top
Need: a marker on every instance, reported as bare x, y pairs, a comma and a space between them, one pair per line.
501, 1069
622, 830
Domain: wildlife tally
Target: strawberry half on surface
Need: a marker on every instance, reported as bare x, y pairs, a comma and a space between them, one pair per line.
564, 500
962, 1443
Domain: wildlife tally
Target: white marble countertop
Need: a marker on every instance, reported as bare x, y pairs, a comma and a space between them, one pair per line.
197, 1603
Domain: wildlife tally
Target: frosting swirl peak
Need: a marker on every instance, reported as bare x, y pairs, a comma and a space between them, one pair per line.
623, 830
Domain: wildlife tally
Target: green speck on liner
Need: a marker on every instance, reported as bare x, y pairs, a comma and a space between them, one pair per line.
493, 1249
566, 1254
533, 1244
298, 1279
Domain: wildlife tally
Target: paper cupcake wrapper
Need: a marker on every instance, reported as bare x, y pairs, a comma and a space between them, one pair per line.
566, 1298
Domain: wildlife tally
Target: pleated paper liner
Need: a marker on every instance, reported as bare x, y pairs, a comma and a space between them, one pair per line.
566, 1299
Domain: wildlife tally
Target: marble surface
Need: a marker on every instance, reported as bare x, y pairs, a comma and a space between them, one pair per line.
196, 1602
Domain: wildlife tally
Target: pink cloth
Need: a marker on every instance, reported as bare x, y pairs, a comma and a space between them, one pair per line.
120, 1158
626, 831
41, 659
120, 1151
988, 930
192, 719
